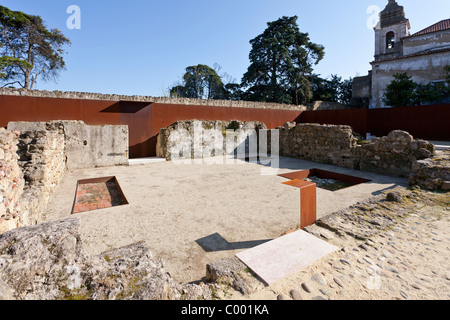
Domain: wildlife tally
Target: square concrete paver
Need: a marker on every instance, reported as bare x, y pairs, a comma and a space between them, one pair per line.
284, 256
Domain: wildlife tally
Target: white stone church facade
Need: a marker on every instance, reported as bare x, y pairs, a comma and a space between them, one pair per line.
422, 55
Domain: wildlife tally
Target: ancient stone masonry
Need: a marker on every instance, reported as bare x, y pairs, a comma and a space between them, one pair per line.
32, 164
35, 155
393, 154
327, 144
85, 146
195, 139
43, 163
326, 105
432, 173
337, 145
11, 182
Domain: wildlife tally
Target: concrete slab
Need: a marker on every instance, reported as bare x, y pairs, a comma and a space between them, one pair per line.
284, 256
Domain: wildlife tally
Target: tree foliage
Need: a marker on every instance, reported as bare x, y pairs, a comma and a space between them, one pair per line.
204, 82
7, 62
404, 92
447, 75
281, 71
400, 92
233, 91
282, 60
200, 82
333, 90
29, 50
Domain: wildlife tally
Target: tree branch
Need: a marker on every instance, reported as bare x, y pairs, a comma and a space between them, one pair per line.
9, 42
36, 76
12, 83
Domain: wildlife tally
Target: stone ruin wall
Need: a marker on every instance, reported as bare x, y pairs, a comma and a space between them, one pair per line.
432, 173
86, 146
32, 167
32, 162
43, 163
394, 154
149, 99
194, 139
35, 156
328, 144
12, 182
326, 105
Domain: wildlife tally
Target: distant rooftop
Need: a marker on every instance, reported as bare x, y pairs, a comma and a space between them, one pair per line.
441, 25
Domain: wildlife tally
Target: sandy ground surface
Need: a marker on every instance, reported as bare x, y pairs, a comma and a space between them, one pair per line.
193, 214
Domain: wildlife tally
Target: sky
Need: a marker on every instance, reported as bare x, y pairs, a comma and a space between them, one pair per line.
138, 47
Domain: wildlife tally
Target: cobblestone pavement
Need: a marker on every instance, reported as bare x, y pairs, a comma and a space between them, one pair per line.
405, 259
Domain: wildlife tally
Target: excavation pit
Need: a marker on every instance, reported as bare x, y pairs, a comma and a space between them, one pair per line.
98, 193
328, 180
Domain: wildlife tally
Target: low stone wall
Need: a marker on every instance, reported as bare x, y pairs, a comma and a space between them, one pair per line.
432, 173
393, 154
85, 146
194, 139
149, 99
337, 145
12, 182
315, 105
327, 144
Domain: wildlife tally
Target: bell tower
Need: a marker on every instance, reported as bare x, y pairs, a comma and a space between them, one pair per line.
393, 26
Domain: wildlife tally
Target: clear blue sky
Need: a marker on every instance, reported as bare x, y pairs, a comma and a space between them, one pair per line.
142, 47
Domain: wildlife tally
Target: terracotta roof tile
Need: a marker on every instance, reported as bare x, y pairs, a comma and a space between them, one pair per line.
441, 25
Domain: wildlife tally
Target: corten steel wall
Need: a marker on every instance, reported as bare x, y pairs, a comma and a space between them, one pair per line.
422, 122
356, 118
144, 119
92, 112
